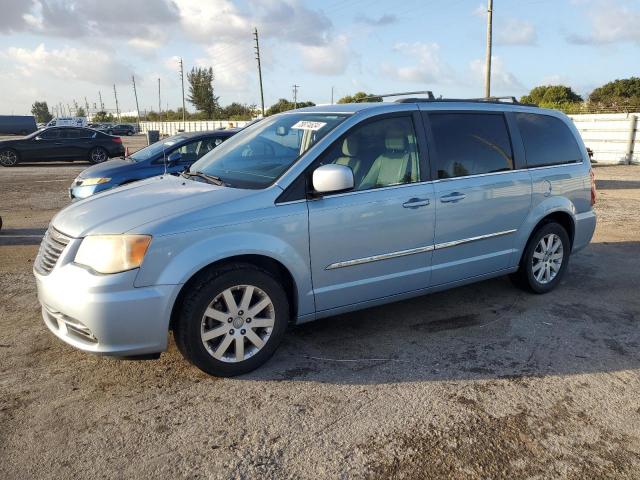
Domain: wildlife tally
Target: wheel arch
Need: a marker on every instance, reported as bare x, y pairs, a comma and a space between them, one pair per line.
560, 216
264, 262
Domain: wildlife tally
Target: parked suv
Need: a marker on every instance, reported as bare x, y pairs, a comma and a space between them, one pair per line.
312, 213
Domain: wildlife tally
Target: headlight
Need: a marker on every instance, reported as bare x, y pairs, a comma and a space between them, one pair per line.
93, 181
112, 253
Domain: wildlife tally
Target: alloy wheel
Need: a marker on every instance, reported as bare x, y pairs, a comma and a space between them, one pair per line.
547, 258
237, 323
8, 158
98, 155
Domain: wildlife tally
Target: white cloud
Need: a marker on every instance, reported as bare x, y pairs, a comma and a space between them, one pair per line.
68, 63
610, 23
233, 66
503, 82
516, 32
331, 58
427, 66
13, 14
381, 21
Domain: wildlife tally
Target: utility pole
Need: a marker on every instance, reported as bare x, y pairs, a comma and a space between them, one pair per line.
86, 104
257, 47
69, 109
135, 94
332, 95
487, 78
115, 94
295, 95
101, 102
184, 109
159, 102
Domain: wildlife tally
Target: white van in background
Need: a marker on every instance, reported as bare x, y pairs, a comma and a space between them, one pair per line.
68, 122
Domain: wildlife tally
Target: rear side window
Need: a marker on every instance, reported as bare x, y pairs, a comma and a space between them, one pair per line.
547, 140
471, 144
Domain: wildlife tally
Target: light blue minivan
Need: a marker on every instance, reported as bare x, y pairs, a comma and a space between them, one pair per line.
312, 213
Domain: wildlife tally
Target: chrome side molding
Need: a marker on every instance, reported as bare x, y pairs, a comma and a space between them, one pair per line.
413, 251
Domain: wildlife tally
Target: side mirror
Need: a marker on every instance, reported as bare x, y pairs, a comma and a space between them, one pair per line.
173, 158
332, 178
38, 138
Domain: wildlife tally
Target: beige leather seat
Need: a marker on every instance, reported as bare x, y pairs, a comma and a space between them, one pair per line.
396, 166
350, 150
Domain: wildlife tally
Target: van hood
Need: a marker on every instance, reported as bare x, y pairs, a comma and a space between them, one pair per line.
123, 209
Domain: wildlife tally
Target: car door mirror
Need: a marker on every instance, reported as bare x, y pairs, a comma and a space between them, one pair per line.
174, 158
332, 178
38, 138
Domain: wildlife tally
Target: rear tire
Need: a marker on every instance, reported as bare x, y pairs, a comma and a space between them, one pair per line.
98, 155
9, 157
232, 320
545, 259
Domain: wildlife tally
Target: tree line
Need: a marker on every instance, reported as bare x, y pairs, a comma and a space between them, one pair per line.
618, 95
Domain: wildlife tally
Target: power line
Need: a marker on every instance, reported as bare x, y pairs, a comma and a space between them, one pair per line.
257, 47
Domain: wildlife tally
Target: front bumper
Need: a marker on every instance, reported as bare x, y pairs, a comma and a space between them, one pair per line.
105, 314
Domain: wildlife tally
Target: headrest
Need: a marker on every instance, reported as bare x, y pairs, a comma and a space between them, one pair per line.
395, 140
350, 146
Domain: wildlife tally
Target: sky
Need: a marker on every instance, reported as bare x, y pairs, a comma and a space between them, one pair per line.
64, 50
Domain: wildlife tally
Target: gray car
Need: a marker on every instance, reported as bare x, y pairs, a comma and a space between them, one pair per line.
312, 213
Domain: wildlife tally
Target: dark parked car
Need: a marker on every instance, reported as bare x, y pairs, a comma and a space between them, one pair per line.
177, 152
121, 129
17, 124
61, 143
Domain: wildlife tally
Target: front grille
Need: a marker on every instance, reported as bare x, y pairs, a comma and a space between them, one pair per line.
53, 244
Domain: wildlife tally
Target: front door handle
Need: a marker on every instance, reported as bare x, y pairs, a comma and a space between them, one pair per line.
453, 197
416, 203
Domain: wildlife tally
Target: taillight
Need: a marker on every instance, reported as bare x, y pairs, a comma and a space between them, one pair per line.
117, 139
593, 186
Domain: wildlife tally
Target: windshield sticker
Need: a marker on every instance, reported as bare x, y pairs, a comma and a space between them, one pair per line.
307, 125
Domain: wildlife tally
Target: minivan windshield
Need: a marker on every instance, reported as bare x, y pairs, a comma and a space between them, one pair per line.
156, 148
257, 156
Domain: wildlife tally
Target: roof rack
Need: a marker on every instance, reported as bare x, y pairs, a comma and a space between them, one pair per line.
428, 93
509, 99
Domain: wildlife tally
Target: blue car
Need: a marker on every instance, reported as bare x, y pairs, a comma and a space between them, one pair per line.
177, 152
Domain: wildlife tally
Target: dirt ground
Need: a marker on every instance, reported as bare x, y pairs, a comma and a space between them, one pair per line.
483, 381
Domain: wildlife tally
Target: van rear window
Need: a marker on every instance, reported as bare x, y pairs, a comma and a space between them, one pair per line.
547, 140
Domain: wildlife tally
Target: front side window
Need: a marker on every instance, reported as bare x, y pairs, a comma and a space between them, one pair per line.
547, 140
470, 144
380, 153
51, 134
256, 156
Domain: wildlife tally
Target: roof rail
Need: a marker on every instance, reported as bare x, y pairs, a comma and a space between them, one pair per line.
428, 93
508, 99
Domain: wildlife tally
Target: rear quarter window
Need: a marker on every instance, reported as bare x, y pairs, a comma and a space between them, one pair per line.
547, 140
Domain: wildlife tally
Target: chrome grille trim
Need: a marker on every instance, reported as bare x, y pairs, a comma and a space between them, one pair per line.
52, 246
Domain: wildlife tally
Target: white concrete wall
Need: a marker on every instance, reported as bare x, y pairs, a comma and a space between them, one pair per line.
607, 134
171, 128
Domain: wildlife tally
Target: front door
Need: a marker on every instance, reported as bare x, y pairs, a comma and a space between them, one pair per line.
376, 240
482, 198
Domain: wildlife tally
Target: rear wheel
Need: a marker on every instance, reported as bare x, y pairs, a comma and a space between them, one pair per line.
8, 157
232, 320
98, 155
545, 259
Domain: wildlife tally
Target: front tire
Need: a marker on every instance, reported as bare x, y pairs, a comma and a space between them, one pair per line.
232, 320
98, 155
9, 157
545, 259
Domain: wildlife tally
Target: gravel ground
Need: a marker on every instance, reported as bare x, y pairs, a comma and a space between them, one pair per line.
482, 381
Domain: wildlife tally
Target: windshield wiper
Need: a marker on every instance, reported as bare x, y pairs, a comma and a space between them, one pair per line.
209, 178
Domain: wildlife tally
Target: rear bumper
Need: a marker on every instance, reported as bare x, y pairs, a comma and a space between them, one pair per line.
585, 227
105, 314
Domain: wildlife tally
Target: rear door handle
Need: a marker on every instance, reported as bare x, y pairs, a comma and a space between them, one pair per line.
453, 197
416, 203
